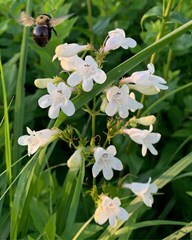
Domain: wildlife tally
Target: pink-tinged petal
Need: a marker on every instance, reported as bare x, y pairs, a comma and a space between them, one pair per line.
54, 111
100, 76
111, 149
123, 214
102, 218
116, 164
71, 63
128, 42
74, 79
111, 109
51, 88
68, 108
112, 221
45, 101
32, 149
96, 169
107, 172
23, 140
116, 201
98, 152
87, 85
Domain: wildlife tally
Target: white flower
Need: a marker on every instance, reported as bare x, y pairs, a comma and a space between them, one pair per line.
42, 82
144, 137
68, 50
71, 63
143, 190
120, 101
117, 39
110, 209
145, 82
146, 121
105, 161
87, 72
36, 140
74, 162
58, 98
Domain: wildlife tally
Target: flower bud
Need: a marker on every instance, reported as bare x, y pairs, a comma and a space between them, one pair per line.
103, 104
42, 82
74, 162
146, 121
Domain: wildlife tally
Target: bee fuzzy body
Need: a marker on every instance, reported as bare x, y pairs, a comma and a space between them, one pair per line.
43, 26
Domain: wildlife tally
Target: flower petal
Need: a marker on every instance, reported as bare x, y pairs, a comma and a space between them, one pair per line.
23, 140
112, 221
45, 101
96, 169
68, 108
111, 109
116, 164
123, 214
111, 149
87, 84
74, 79
54, 111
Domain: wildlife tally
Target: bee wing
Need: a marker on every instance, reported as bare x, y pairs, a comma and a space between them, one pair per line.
57, 21
26, 20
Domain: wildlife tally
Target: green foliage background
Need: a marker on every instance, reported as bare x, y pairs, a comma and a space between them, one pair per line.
46, 201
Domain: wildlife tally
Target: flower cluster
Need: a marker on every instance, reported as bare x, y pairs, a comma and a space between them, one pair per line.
118, 102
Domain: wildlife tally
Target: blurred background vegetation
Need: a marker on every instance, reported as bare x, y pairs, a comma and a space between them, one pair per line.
141, 20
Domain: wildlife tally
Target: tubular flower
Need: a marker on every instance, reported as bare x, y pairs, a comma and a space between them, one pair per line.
86, 73
71, 63
74, 162
143, 190
120, 101
37, 139
57, 99
144, 137
105, 161
145, 82
117, 39
68, 50
109, 209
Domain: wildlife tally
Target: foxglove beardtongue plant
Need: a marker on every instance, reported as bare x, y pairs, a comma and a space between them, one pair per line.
38, 139
145, 82
68, 50
105, 161
120, 101
57, 99
143, 190
144, 137
86, 73
116, 39
109, 209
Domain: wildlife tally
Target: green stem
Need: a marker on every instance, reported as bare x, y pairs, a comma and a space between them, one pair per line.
19, 96
89, 9
163, 25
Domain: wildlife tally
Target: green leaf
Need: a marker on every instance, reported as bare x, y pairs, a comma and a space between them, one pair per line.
75, 201
153, 12
39, 214
50, 228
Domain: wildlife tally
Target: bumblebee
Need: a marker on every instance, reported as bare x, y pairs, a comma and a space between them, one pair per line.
43, 26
